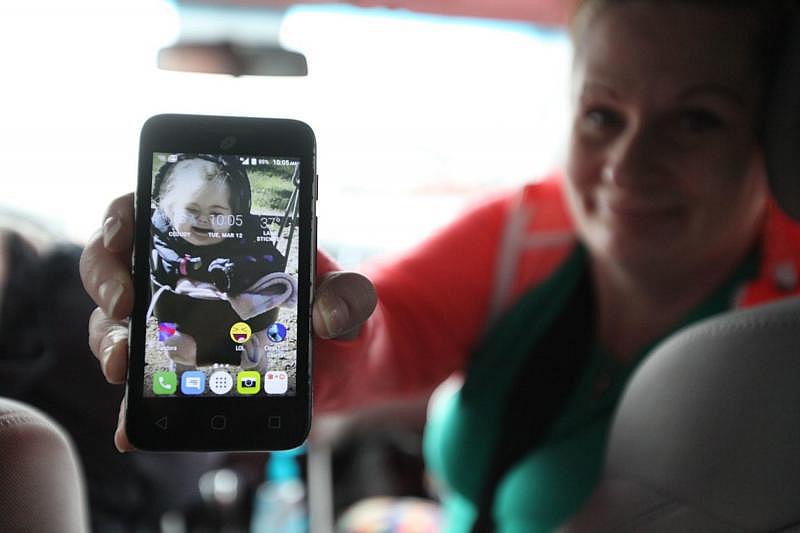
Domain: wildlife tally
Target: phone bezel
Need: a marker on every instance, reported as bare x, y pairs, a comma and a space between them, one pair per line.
248, 419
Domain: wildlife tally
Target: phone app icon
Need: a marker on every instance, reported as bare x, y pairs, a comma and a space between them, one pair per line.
276, 332
276, 382
166, 330
165, 383
240, 332
220, 382
193, 382
248, 382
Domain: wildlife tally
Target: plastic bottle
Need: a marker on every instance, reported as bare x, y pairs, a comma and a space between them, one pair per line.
280, 502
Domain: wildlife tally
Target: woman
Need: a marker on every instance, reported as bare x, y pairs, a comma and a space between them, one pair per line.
545, 301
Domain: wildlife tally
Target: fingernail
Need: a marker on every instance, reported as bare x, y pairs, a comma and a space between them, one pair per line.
104, 363
116, 338
118, 442
334, 313
110, 292
111, 227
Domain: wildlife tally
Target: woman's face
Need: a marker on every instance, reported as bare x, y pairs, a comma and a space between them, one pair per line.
664, 168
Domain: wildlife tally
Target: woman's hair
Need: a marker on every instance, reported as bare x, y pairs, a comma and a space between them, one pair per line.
223, 170
775, 19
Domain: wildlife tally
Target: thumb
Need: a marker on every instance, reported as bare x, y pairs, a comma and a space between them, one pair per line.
343, 302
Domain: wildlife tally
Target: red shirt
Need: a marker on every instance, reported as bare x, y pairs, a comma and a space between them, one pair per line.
436, 301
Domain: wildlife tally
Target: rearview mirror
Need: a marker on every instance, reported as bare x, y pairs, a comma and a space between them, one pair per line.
225, 57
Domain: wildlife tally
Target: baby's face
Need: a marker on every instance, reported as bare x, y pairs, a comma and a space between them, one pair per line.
203, 212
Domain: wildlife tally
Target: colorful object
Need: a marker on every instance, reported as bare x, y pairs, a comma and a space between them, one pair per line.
276, 332
248, 382
166, 330
165, 383
240, 332
193, 382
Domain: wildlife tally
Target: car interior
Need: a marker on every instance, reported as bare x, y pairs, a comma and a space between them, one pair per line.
707, 433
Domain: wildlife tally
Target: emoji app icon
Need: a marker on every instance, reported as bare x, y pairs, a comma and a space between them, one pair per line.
165, 383
248, 382
240, 332
276, 382
220, 382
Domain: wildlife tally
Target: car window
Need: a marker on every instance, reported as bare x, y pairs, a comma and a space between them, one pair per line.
415, 115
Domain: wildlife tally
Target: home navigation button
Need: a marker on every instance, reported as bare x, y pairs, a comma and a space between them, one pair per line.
219, 422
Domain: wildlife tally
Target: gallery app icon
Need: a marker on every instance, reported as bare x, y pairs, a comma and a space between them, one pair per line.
248, 382
276, 382
165, 383
166, 330
220, 382
276, 332
240, 332
193, 382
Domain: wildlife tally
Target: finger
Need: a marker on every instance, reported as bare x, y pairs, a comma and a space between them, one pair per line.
120, 436
106, 273
118, 225
343, 302
108, 340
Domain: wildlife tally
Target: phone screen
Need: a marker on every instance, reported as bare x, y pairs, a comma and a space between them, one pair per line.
224, 241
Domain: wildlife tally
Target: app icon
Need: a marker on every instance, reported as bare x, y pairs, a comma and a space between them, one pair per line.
166, 330
220, 382
165, 383
240, 332
276, 332
276, 382
248, 382
193, 382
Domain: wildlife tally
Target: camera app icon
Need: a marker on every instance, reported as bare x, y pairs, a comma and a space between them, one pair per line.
220, 382
248, 382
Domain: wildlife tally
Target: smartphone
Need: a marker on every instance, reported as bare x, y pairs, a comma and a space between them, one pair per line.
223, 269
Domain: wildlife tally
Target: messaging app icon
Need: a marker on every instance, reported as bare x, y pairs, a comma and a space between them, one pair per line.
220, 382
165, 383
193, 382
248, 382
240, 332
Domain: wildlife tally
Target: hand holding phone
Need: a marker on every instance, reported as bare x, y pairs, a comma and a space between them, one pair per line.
105, 269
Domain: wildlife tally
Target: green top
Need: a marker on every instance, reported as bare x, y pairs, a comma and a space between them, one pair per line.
550, 483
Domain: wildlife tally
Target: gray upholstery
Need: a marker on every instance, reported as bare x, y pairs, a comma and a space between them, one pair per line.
707, 434
42, 487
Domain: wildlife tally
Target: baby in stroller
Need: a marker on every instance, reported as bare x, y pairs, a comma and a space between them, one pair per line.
209, 273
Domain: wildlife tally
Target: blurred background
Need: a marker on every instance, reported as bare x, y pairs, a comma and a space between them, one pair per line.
416, 113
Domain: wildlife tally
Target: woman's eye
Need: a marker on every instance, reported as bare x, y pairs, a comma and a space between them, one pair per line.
602, 118
699, 121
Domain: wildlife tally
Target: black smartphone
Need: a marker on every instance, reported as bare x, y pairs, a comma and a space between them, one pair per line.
223, 269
